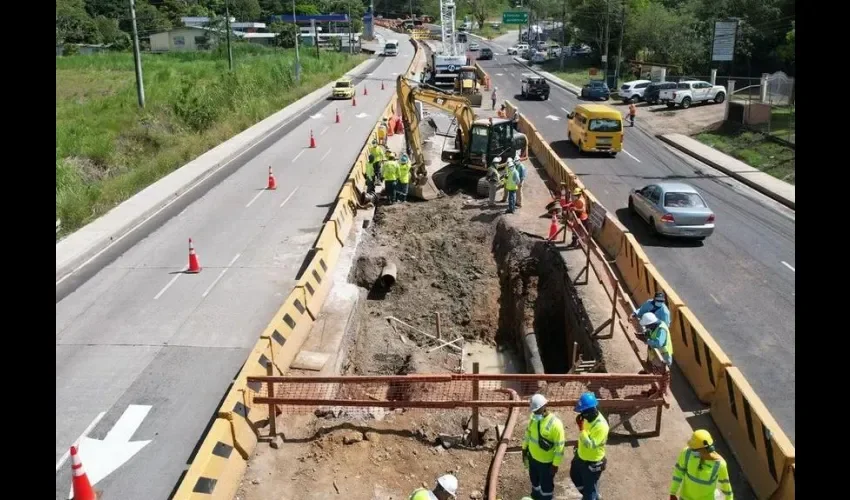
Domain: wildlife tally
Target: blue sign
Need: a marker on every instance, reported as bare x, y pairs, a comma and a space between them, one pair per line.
305, 18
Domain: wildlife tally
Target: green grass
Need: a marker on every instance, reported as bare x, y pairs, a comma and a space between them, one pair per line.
489, 33
576, 72
107, 149
754, 149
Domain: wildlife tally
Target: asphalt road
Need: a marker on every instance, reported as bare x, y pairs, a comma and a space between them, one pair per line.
740, 282
139, 332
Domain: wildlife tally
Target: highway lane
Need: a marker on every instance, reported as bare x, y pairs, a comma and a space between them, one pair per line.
140, 333
740, 282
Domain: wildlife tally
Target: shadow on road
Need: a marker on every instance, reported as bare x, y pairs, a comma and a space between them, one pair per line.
640, 230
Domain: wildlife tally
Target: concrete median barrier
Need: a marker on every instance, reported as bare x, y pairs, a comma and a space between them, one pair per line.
762, 449
612, 236
315, 283
217, 469
787, 489
698, 355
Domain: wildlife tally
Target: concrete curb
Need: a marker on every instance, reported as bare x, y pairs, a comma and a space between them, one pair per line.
735, 175
555, 81
79, 248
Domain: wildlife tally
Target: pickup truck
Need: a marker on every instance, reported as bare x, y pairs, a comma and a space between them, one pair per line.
518, 49
691, 92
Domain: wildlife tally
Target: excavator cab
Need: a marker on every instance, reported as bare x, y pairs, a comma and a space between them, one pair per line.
489, 138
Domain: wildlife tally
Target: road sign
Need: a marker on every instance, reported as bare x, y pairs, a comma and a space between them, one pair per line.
102, 456
723, 48
514, 17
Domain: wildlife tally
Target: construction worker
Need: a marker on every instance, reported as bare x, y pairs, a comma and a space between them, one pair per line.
503, 112
370, 174
657, 336
656, 306
494, 96
632, 113
390, 176
445, 489
579, 207
403, 181
589, 460
377, 152
543, 448
493, 181
523, 173
382, 132
511, 185
700, 470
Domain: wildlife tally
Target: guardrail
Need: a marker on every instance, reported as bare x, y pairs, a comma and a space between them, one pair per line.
223, 455
765, 453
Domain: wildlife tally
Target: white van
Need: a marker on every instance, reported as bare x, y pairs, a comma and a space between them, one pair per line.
391, 48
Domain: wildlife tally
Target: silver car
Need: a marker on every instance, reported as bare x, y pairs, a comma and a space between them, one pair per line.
673, 209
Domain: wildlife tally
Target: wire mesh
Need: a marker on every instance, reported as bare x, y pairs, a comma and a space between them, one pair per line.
371, 396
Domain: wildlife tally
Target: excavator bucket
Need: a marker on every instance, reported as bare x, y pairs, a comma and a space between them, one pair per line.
475, 99
424, 189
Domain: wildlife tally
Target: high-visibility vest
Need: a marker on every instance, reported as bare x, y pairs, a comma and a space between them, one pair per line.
422, 494
510, 180
370, 170
667, 348
592, 439
404, 173
552, 430
390, 170
580, 208
377, 151
697, 479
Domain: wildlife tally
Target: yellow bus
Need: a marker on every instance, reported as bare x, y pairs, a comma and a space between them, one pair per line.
596, 128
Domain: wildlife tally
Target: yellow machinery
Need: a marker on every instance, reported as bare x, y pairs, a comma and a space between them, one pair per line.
476, 139
466, 84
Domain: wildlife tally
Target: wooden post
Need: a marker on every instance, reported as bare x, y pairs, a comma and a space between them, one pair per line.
439, 328
272, 408
614, 308
475, 410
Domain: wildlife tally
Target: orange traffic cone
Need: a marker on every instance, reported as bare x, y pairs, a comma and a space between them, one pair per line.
365, 90
354, 101
337, 116
272, 181
553, 228
312, 140
399, 126
194, 265
82, 486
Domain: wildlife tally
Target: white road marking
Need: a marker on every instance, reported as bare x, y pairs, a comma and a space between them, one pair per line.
298, 155
324, 156
500, 74
255, 198
552, 117
168, 285
316, 116
714, 298
346, 130
632, 156
288, 197
361, 115
789, 266
326, 128
209, 288
513, 75
564, 110
85, 432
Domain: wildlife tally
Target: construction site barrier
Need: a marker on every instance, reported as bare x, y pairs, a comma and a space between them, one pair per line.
482, 76
705, 365
762, 449
216, 470
787, 488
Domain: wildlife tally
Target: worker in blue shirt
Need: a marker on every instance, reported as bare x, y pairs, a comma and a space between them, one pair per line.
657, 306
523, 173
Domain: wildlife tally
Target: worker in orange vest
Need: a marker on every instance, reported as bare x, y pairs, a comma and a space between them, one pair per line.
632, 113
502, 112
579, 207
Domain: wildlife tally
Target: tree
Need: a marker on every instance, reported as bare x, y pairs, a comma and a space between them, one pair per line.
149, 20
286, 33
245, 10
111, 34
73, 24
481, 9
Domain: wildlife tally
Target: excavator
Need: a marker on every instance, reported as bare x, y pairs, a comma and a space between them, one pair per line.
466, 84
476, 140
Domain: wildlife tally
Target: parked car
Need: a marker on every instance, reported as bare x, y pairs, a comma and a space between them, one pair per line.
554, 51
343, 89
474, 47
673, 209
651, 95
694, 91
538, 57
633, 91
485, 54
534, 86
518, 49
596, 89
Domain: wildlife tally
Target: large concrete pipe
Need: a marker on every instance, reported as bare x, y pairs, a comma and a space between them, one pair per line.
388, 274
533, 362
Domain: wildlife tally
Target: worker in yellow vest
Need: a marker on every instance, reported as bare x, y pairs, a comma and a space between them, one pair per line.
378, 156
700, 470
589, 461
369, 173
390, 177
382, 132
445, 489
511, 185
403, 181
657, 336
543, 448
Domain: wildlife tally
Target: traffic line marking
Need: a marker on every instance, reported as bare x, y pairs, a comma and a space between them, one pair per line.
288, 197
255, 198
168, 285
324, 156
346, 130
632, 156
564, 110
209, 288
714, 298
326, 128
789, 266
298, 155
84, 434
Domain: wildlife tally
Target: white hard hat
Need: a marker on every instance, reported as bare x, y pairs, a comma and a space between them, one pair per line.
449, 484
648, 319
538, 401
510, 161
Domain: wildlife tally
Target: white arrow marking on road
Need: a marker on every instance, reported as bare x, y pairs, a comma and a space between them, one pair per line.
552, 117
500, 74
316, 116
361, 115
101, 457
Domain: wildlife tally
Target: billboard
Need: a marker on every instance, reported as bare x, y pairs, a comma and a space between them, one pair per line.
723, 47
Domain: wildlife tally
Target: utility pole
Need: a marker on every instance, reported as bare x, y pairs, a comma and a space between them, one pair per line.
622, 31
315, 36
227, 24
607, 39
297, 54
563, 34
350, 51
137, 57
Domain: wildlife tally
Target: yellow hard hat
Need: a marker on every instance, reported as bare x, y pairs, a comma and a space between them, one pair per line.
700, 439
577, 191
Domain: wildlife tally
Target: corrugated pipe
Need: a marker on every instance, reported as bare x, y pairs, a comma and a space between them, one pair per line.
492, 489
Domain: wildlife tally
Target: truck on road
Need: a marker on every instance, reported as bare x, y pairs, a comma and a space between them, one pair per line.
691, 92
